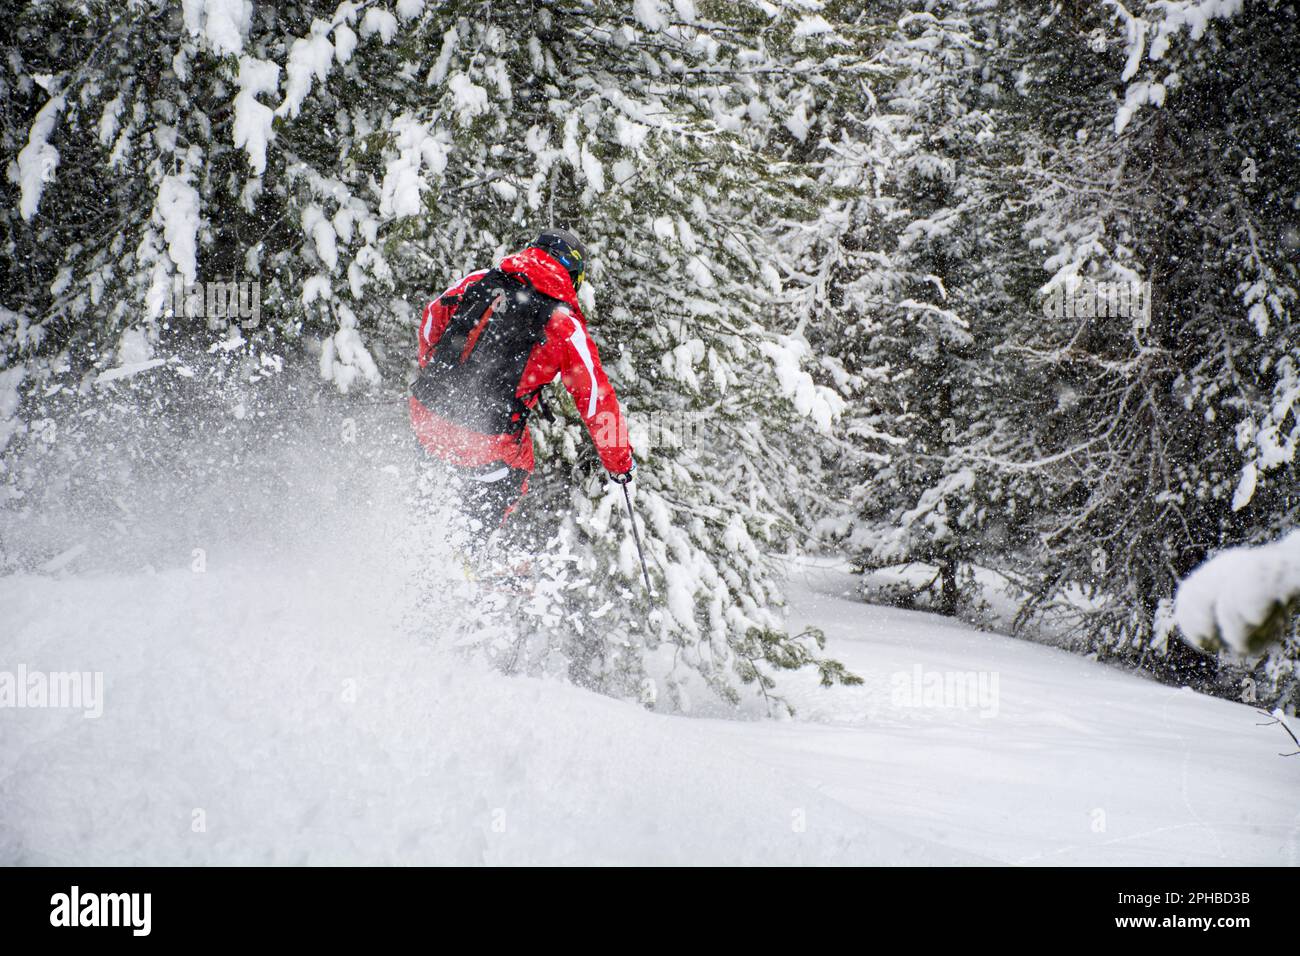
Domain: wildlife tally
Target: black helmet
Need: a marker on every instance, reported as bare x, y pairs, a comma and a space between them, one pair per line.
564, 247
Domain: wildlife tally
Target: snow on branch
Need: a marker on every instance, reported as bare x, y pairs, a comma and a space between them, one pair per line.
223, 24
1153, 36
38, 159
1243, 598
818, 403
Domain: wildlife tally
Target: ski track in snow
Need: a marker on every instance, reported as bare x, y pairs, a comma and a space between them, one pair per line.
288, 709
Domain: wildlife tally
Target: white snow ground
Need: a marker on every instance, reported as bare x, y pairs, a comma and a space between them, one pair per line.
284, 707
1081, 764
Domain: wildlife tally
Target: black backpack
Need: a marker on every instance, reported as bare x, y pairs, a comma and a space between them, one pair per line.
471, 376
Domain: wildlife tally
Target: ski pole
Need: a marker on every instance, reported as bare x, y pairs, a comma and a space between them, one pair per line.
636, 536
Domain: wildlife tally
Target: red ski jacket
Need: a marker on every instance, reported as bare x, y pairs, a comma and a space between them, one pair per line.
566, 350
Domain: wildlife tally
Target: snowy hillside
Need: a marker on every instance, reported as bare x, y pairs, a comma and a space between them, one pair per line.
1077, 763
288, 716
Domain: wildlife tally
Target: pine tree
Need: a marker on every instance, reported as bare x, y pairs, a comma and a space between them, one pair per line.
912, 276
356, 158
1164, 415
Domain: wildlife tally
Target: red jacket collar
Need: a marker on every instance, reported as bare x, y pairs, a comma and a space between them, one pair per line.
547, 276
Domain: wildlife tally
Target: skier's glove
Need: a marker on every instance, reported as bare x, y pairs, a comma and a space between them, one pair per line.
626, 476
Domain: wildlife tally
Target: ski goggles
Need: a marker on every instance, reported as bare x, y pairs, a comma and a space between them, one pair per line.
572, 262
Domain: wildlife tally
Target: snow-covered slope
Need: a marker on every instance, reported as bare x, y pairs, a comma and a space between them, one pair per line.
1075, 763
231, 693
276, 711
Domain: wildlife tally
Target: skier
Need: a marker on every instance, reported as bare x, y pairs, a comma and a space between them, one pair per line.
488, 345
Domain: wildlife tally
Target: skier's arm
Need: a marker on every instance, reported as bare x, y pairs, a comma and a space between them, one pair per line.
432, 324
436, 315
581, 372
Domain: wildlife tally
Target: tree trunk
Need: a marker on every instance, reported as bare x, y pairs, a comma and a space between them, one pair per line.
948, 597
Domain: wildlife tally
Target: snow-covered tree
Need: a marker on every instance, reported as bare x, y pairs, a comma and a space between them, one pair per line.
908, 275
354, 158
1158, 182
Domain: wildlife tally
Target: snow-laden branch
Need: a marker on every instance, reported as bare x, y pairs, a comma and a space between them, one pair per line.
1243, 598
1153, 36
38, 159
